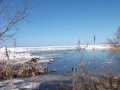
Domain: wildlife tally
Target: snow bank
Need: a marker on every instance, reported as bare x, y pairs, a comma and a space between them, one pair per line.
45, 48
22, 54
90, 47
53, 48
16, 54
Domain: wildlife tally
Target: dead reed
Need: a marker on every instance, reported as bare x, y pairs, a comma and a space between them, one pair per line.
83, 79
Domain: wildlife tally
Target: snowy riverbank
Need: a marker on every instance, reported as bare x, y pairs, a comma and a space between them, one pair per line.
23, 54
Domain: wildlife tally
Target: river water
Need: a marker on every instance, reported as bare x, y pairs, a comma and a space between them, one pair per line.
65, 60
101, 61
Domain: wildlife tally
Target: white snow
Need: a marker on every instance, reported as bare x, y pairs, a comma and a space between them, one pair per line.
16, 55
22, 54
90, 47
18, 84
53, 48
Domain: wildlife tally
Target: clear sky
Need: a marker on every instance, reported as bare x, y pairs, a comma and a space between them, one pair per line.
64, 22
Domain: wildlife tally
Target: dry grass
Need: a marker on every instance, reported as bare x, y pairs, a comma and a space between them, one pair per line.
8, 71
112, 48
83, 79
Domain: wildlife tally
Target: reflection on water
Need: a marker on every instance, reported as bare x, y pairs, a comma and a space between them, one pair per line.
114, 55
106, 62
65, 60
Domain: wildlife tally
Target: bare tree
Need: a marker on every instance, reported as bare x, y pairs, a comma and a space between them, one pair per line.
115, 41
11, 13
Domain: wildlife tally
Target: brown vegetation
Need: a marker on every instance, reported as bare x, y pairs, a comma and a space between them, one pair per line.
27, 69
115, 41
82, 79
90, 82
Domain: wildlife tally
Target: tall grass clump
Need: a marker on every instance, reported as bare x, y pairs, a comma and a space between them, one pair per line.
9, 71
84, 79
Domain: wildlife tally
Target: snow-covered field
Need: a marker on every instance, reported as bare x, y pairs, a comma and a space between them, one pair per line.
53, 48
16, 55
22, 54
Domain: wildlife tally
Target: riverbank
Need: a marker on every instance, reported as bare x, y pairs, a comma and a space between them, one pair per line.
23, 54
61, 82
27, 69
64, 61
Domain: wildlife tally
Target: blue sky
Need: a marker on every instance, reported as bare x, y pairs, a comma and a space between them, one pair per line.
64, 22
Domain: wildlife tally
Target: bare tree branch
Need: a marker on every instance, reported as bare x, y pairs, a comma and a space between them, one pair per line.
8, 22
115, 41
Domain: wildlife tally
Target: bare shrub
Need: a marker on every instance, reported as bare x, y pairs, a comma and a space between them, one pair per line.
115, 41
